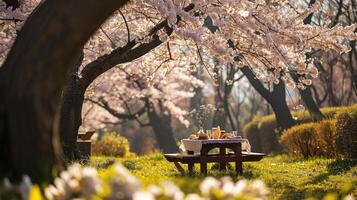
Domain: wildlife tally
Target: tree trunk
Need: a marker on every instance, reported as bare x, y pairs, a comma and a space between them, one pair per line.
282, 112
32, 80
228, 113
306, 96
276, 99
352, 56
219, 117
312, 107
163, 132
71, 116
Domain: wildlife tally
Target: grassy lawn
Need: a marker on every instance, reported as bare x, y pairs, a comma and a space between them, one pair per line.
286, 177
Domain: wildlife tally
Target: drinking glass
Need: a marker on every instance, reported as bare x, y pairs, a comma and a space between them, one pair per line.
215, 134
235, 133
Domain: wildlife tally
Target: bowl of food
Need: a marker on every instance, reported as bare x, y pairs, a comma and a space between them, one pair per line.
202, 136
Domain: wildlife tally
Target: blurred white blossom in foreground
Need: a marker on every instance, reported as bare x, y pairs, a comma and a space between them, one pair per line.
117, 183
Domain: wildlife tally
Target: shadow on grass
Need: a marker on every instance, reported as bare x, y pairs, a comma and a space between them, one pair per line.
339, 166
334, 168
293, 193
290, 192
103, 164
213, 171
131, 165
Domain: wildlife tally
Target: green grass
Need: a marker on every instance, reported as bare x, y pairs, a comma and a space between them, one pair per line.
286, 177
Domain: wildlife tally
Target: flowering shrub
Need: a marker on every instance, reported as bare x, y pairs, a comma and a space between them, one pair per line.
117, 184
111, 144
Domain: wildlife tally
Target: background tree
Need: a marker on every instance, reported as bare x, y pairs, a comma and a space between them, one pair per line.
336, 83
147, 86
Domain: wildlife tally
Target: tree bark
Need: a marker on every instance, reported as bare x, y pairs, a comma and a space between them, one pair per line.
229, 113
71, 116
306, 96
312, 107
282, 112
219, 117
161, 124
32, 80
276, 99
352, 56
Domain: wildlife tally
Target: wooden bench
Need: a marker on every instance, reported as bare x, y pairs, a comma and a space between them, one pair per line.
222, 158
84, 145
85, 136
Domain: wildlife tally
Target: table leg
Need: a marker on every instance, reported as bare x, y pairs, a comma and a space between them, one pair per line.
239, 168
239, 163
222, 164
190, 167
204, 160
179, 168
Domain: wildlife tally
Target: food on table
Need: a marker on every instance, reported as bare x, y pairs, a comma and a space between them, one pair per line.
227, 135
209, 133
193, 137
203, 136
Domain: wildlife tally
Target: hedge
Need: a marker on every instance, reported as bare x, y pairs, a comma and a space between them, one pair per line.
262, 134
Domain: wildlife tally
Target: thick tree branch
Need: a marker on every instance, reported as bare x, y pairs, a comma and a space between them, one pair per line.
105, 105
126, 53
256, 82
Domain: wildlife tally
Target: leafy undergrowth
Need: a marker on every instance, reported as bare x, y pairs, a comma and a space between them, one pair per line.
286, 177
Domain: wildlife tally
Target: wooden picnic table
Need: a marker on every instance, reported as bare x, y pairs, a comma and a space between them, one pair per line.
237, 156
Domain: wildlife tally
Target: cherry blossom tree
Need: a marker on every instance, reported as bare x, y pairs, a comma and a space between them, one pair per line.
336, 83
270, 37
96, 62
145, 86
